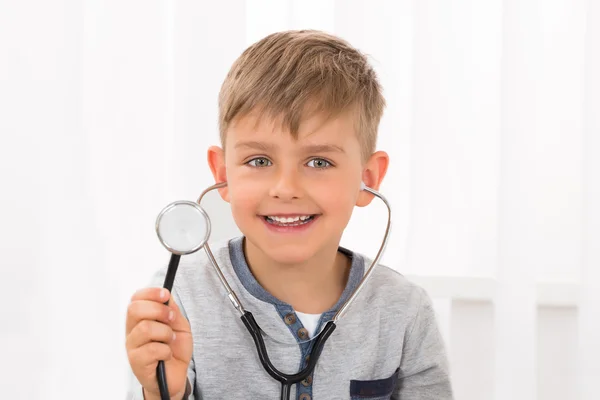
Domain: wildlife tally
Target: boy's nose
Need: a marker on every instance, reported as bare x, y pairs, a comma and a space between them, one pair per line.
286, 186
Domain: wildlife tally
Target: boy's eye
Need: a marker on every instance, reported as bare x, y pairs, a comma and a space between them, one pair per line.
319, 163
259, 162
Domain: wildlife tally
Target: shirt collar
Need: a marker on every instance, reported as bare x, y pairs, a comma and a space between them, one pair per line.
240, 266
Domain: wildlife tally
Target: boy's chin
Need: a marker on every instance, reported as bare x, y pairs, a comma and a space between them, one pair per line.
287, 253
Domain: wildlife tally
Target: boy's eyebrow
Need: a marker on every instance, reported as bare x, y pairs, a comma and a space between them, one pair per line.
254, 145
323, 148
311, 148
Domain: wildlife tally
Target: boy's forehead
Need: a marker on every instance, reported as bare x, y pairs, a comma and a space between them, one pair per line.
317, 127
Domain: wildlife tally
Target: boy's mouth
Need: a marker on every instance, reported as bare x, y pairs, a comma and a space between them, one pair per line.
296, 220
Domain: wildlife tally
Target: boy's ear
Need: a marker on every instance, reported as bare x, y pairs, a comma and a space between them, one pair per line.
372, 176
216, 162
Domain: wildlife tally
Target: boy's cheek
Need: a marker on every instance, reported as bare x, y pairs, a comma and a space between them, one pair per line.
241, 191
242, 204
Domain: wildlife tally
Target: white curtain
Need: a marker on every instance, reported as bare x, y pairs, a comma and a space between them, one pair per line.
493, 128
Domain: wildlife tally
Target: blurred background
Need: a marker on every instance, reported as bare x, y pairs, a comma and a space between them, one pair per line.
107, 109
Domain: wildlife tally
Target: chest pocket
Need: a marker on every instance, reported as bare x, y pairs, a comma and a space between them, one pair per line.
380, 389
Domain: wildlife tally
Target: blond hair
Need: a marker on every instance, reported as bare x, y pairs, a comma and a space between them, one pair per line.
292, 74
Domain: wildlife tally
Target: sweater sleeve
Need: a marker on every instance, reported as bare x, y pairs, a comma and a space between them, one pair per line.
424, 372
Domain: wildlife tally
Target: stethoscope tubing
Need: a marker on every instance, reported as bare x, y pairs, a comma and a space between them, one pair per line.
253, 328
160, 368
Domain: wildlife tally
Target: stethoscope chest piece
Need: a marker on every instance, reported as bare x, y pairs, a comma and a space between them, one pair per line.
183, 227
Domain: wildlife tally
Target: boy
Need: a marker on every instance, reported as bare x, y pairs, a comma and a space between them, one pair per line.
298, 118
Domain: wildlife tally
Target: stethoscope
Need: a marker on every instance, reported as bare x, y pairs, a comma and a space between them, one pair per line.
183, 227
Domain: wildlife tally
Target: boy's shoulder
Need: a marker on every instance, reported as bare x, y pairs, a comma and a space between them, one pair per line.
388, 289
195, 271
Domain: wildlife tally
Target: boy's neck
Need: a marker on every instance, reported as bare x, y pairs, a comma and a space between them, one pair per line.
312, 287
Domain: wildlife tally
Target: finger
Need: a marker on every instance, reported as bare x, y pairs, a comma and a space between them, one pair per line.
149, 354
179, 322
158, 294
140, 310
149, 331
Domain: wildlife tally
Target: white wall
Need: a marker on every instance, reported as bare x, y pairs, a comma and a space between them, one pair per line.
493, 127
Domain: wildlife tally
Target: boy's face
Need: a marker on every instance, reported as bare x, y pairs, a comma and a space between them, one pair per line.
292, 199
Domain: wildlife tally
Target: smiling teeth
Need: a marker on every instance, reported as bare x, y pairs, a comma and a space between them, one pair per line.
288, 220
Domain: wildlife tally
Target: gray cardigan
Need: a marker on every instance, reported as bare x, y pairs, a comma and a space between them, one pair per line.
387, 346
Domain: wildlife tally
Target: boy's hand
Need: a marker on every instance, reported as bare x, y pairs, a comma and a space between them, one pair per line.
150, 339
